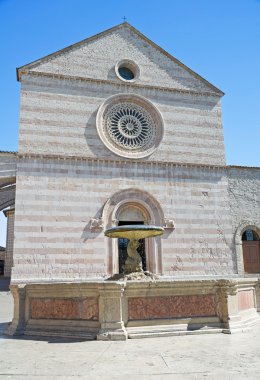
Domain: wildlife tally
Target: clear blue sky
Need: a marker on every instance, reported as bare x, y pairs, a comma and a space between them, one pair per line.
219, 39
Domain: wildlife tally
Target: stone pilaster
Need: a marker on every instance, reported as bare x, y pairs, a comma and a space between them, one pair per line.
9, 242
18, 323
111, 312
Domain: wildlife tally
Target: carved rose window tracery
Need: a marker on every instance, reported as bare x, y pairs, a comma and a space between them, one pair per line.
130, 126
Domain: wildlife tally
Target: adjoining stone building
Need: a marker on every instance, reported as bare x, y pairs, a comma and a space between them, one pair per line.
7, 201
113, 131
2, 260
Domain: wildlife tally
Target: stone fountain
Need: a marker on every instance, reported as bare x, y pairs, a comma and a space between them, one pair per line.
135, 304
134, 233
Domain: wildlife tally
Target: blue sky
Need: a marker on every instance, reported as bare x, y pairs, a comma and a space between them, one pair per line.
219, 39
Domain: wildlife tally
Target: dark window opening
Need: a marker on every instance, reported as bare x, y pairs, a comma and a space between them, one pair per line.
126, 73
2, 266
250, 235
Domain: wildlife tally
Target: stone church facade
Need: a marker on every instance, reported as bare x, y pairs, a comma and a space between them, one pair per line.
115, 130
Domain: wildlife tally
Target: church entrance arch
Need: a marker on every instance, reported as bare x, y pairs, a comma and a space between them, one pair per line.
133, 206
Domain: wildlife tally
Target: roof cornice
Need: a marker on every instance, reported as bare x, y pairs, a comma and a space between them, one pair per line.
7, 153
115, 83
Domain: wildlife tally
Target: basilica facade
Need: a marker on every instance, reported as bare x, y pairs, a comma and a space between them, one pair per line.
114, 131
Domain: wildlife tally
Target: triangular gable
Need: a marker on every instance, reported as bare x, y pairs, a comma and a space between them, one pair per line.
95, 58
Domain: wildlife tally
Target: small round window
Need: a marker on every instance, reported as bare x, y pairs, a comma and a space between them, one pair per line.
127, 70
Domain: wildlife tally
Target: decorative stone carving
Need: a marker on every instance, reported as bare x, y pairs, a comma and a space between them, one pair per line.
134, 261
169, 224
96, 225
48, 308
141, 308
114, 222
222, 305
19, 319
130, 126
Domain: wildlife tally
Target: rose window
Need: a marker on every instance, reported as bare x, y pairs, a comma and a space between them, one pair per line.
129, 125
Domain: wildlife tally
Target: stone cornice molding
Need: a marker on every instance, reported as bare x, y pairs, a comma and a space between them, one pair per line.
243, 167
131, 161
119, 86
118, 162
164, 281
7, 153
9, 211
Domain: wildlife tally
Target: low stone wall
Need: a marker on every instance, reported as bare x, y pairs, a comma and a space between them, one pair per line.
109, 310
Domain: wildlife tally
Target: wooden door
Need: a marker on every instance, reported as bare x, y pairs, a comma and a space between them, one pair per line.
251, 254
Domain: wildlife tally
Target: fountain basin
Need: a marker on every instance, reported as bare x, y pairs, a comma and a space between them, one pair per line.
134, 232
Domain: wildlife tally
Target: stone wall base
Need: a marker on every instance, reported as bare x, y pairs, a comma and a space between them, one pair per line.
110, 310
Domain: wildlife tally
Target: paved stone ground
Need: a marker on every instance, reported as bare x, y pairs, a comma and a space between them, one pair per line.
217, 356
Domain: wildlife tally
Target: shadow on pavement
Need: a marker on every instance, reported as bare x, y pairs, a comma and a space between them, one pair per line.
3, 326
5, 320
47, 339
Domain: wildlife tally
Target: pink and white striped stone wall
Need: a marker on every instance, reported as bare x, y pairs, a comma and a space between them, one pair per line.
56, 200
66, 174
58, 117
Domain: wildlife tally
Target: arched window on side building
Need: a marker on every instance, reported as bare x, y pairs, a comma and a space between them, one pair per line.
251, 251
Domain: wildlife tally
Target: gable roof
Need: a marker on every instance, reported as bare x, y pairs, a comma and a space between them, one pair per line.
125, 24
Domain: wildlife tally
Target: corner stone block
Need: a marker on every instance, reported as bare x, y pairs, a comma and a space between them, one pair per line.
239, 303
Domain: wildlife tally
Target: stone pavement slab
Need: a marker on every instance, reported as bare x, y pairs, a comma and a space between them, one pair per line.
217, 356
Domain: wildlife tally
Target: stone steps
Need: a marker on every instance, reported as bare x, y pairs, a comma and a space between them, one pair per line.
243, 325
161, 331
62, 334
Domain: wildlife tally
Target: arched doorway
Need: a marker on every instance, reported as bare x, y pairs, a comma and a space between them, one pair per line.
131, 214
251, 250
132, 206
